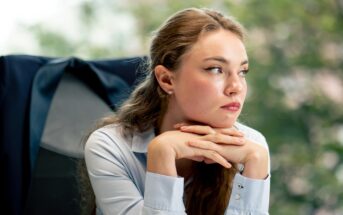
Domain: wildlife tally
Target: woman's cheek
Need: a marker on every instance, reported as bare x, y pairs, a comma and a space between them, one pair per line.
205, 94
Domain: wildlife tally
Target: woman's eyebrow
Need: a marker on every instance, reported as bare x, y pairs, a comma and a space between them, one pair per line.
223, 60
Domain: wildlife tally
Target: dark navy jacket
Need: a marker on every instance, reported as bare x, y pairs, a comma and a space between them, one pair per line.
27, 85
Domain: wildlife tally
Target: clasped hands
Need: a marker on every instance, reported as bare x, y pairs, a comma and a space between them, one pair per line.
210, 145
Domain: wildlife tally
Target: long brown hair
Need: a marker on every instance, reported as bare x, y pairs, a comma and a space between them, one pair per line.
210, 188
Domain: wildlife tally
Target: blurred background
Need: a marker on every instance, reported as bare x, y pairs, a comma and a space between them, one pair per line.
296, 80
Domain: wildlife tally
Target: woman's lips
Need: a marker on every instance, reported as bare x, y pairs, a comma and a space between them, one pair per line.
233, 106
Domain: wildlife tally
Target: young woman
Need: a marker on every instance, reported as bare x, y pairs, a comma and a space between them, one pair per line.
175, 146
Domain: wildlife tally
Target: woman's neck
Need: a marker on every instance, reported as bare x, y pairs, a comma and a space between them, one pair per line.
168, 121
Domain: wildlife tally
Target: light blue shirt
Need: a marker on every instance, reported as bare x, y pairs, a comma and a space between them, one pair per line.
117, 170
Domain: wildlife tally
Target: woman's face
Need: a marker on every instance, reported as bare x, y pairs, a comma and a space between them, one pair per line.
209, 86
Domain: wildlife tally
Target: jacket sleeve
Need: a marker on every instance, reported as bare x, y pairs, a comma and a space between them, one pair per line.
116, 192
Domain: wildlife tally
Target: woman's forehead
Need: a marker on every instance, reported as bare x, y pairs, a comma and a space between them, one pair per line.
221, 44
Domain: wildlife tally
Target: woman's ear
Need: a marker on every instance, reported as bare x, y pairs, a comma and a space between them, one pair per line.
165, 78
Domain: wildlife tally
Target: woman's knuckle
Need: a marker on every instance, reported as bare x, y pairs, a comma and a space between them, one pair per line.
218, 137
237, 139
213, 153
209, 129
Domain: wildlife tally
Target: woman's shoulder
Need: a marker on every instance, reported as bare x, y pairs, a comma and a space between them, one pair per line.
251, 133
108, 135
111, 130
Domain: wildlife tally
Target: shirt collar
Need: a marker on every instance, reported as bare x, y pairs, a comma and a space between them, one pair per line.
140, 141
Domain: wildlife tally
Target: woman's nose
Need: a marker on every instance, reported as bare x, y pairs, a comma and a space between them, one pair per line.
234, 85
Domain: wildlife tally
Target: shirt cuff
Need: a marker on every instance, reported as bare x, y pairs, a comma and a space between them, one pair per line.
164, 192
250, 194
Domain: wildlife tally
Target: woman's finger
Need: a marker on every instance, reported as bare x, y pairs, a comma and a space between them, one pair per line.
198, 158
198, 129
178, 125
203, 144
224, 139
231, 131
204, 129
209, 161
212, 155
234, 154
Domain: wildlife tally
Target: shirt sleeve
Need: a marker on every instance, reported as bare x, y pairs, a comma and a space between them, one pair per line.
249, 196
163, 193
117, 193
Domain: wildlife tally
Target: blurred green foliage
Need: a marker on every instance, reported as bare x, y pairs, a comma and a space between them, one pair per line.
295, 86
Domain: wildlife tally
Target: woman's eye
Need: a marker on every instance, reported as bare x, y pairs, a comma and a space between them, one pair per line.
214, 70
243, 72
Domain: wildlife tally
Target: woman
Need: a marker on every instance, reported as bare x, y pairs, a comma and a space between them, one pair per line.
175, 146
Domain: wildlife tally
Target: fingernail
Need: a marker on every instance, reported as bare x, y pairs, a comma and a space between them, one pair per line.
241, 133
183, 127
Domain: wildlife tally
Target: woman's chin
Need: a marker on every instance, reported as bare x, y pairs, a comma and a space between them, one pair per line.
223, 124
218, 123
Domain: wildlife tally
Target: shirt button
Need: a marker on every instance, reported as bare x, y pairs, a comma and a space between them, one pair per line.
237, 196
